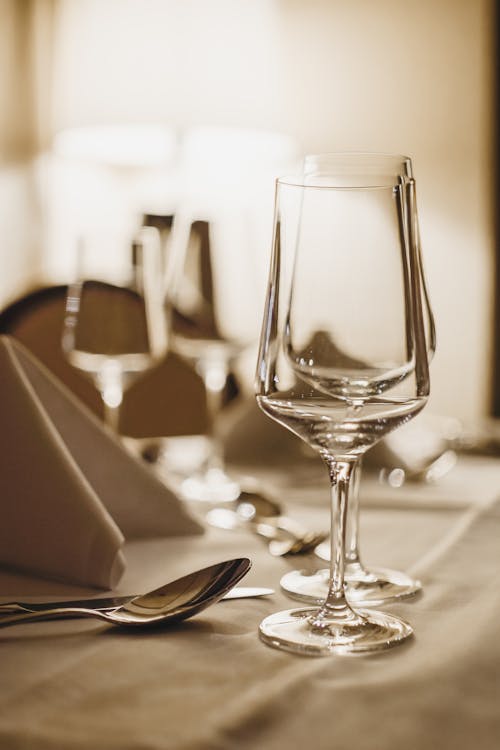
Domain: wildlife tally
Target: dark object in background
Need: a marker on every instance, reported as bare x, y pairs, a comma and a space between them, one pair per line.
167, 400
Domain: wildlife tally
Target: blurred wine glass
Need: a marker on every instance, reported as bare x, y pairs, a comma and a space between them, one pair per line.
217, 250
114, 325
211, 300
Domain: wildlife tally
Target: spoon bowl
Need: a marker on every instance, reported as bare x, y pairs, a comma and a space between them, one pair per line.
172, 602
284, 536
252, 505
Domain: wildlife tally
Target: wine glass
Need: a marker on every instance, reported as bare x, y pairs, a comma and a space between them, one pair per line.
364, 585
216, 274
343, 359
115, 326
211, 293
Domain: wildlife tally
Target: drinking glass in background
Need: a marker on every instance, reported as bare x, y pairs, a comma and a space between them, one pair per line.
216, 281
211, 301
114, 326
343, 359
366, 585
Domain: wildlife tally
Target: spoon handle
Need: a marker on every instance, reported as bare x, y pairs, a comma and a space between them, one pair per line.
51, 614
237, 592
55, 613
114, 616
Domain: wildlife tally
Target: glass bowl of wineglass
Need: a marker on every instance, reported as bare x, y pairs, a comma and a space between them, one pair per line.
343, 359
115, 325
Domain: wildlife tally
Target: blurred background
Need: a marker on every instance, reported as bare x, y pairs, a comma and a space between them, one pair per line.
110, 109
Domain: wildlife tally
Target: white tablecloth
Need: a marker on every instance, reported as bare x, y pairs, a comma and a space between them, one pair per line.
210, 684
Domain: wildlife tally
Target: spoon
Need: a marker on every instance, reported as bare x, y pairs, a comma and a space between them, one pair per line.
285, 536
264, 516
238, 592
172, 602
301, 546
251, 505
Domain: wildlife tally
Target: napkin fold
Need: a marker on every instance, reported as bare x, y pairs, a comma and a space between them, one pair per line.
70, 493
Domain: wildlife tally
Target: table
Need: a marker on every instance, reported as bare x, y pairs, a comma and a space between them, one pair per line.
210, 684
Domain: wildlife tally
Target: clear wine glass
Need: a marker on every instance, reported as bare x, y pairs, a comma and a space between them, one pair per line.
343, 359
211, 292
115, 325
364, 585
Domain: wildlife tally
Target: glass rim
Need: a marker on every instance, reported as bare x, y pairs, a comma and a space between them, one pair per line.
396, 155
366, 168
304, 183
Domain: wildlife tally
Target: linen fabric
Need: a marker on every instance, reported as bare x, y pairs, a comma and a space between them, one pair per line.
210, 684
70, 494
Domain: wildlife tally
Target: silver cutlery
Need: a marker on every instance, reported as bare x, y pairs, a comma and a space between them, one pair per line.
263, 516
288, 540
172, 602
253, 504
299, 546
104, 603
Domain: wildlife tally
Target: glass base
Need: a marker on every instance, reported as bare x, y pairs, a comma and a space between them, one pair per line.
211, 486
368, 587
295, 630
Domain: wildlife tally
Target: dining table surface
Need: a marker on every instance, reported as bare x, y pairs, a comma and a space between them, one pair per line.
210, 683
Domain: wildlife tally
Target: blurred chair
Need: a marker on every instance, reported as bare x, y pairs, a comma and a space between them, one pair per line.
167, 400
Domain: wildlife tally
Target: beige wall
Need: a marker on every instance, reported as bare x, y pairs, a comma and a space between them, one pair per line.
25, 65
390, 75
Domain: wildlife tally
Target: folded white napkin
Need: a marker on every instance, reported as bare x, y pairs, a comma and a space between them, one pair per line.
70, 494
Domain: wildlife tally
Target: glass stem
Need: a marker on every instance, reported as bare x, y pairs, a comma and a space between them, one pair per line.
335, 607
109, 381
112, 416
353, 564
214, 375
